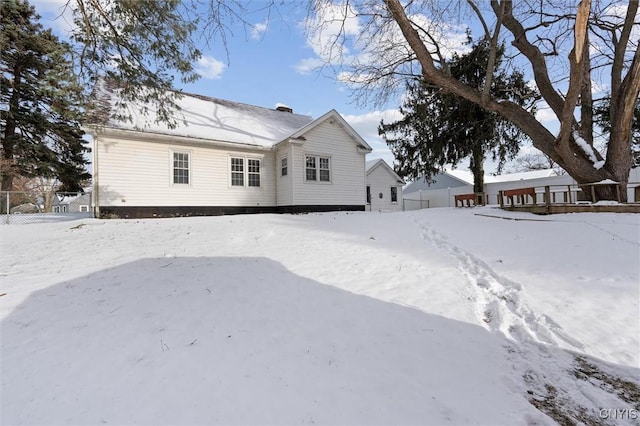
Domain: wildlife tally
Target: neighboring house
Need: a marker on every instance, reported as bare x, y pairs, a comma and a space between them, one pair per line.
229, 158
384, 187
450, 182
71, 203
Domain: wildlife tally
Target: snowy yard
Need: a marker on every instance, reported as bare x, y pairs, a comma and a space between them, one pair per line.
440, 316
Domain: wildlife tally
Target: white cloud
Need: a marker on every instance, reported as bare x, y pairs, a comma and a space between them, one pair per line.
258, 30
210, 68
327, 34
56, 14
305, 66
367, 126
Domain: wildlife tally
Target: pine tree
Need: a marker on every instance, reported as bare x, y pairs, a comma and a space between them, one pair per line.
440, 128
41, 102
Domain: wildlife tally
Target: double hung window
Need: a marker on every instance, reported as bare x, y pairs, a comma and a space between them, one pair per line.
317, 168
245, 172
181, 166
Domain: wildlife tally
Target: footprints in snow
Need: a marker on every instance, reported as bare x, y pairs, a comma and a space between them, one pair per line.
497, 299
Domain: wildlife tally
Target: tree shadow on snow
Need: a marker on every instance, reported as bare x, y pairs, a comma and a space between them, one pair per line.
244, 341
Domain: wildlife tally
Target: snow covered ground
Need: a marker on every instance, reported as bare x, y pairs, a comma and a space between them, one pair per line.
440, 316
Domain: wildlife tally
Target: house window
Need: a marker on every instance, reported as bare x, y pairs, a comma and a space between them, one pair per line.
237, 171
284, 166
56, 209
253, 169
84, 209
325, 176
317, 168
394, 194
181, 168
311, 168
245, 172
368, 194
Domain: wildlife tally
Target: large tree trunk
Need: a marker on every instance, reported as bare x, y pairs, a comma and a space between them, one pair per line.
477, 168
572, 149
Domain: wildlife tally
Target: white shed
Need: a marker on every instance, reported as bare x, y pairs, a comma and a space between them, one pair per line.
384, 187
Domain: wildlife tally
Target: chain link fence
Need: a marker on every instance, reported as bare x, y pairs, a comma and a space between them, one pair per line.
23, 207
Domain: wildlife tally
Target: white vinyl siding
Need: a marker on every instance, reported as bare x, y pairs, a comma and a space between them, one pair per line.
284, 183
345, 168
136, 172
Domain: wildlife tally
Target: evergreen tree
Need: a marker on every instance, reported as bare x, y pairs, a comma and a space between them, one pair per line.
41, 102
602, 117
440, 128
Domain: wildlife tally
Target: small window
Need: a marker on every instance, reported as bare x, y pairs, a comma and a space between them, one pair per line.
284, 166
56, 209
394, 194
368, 194
84, 208
311, 168
253, 170
325, 176
237, 171
181, 168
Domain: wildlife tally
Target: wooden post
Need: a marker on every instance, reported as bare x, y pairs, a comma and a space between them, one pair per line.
500, 199
569, 193
593, 193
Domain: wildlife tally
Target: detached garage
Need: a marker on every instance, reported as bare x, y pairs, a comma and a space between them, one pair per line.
384, 187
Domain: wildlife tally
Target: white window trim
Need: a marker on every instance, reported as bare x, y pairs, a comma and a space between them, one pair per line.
391, 197
84, 208
317, 168
284, 158
180, 151
245, 171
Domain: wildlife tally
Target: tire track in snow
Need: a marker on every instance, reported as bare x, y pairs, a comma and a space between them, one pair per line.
497, 300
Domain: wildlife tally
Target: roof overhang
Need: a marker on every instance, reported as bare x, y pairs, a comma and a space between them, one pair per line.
100, 131
332, 117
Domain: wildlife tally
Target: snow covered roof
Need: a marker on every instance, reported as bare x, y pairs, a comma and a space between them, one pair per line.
465, 177
511, 177
202, 117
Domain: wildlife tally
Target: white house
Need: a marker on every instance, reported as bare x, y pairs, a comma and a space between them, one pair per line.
71, 202
223, 158
384, 187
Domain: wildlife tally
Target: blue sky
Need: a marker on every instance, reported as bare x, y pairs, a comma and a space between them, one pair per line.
270, 59
267, 63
